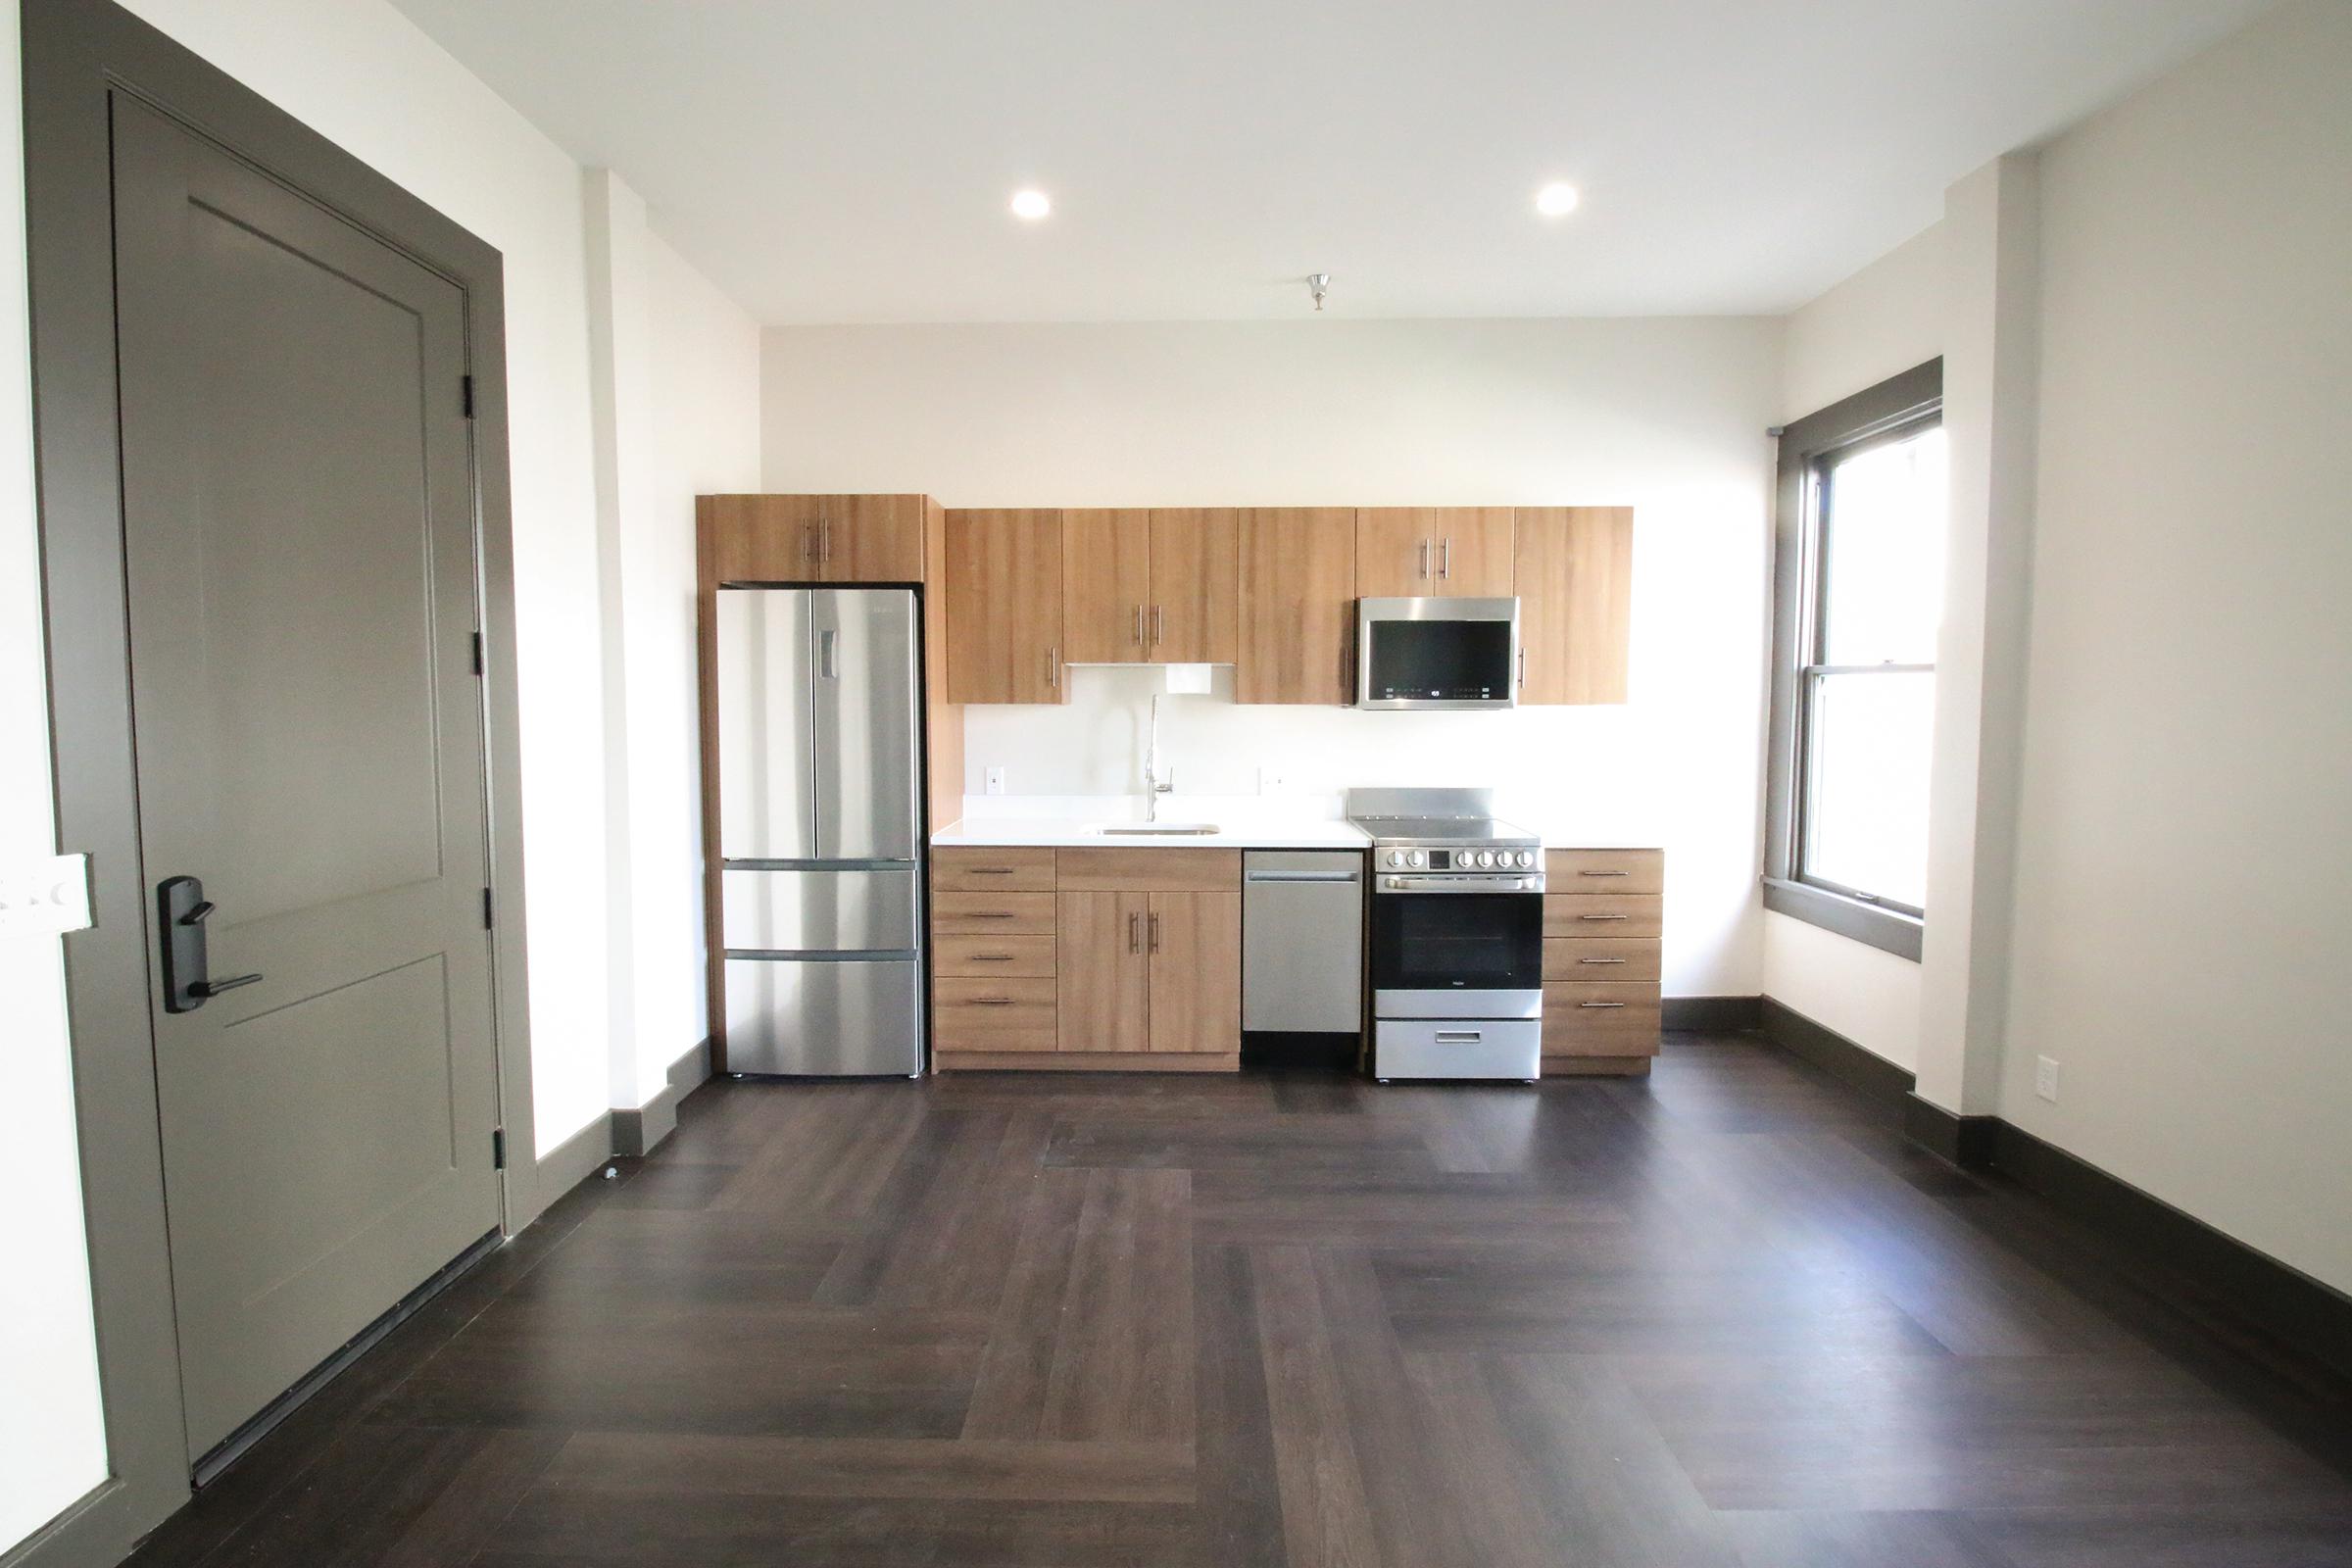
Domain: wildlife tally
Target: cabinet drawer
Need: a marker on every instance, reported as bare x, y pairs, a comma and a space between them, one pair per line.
1597, 959
1623, 915
1001, 913
982, 958
1149, 871
1009, 1015
1600, 1019
1604, 870
991, 870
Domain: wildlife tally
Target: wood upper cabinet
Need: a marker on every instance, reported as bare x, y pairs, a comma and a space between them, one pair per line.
1194, 617
1434, 552
1195, 941
1103, 971
1105, 586
1004, 593
762, 538
1575, 577
1297, 605
1151, 587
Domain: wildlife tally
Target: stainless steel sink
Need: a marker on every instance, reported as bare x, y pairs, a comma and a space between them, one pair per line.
1158, 831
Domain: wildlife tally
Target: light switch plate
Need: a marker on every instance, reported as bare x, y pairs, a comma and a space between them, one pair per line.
2045, 1077
48, 896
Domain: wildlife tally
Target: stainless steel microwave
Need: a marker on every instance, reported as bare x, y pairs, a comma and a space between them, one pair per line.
1436, 652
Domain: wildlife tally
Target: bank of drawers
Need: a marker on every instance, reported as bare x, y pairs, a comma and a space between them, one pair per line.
992, 950
1603, 911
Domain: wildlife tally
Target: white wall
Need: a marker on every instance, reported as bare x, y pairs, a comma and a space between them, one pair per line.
52, 1427
360, 74
2184, 862
705, 438
1881, 322
1667, 416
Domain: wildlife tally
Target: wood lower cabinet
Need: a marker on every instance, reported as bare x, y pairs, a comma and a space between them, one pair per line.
1434, 552
1297, 605
1003, 595
1132, 961
1574, 582
1603, 916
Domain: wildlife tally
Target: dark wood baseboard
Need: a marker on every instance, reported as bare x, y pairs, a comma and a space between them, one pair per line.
1856, 1066
2225, 1278
1597, 1066
1966, 1140
2276, 1299
1083, 1061
1714, 1015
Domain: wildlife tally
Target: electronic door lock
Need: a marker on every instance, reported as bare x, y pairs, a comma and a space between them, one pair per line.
181, 910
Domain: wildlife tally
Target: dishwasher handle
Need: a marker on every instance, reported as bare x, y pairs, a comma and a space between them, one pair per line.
1300, 877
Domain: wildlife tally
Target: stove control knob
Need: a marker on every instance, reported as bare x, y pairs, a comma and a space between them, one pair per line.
1412, 858
1485, 859
1396, 857
1527, 857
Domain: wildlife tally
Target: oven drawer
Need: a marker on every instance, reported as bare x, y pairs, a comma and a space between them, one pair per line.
1455, 1048
1604, 870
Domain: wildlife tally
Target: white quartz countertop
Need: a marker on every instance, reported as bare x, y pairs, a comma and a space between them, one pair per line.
1076, 822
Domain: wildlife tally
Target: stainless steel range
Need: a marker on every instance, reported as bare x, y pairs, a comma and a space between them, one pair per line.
1458, 936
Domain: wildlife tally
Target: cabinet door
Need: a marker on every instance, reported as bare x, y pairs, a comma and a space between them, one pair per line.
1105, 586
868, 538
1004, 591
1102, 970
1195, 942
1575, 579
754, 538
1472, 551
1194, 611
1396, 552
1297, 605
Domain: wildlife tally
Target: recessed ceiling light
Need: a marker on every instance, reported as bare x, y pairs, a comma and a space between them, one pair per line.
1556, 199
1031, 203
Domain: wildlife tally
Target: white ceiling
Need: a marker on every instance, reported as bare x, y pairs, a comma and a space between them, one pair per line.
851, 160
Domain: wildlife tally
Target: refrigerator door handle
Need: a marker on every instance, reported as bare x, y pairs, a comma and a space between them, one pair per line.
828, 654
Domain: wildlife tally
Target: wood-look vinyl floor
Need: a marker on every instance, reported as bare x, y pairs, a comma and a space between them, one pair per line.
1722, 1318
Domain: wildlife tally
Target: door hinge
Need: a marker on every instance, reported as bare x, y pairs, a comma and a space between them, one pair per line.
489, 911
466, 386
497, 1149
477, 653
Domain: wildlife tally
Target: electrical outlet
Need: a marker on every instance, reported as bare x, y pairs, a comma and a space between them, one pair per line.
1272, 781
2046, 1078
996, 781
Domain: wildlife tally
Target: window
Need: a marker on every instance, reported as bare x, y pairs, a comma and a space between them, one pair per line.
1859, 591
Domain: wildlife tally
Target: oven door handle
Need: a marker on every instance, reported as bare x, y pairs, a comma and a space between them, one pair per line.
1531, 883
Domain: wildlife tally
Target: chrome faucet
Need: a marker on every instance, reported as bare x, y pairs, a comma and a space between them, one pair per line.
1154, 786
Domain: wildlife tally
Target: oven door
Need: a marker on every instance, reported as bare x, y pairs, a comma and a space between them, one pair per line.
1436, 652
1457, 955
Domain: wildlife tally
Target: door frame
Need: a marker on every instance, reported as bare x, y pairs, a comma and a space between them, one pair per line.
77, 53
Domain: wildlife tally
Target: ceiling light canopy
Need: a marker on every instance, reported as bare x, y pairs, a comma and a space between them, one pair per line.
1556, 199
1031, 203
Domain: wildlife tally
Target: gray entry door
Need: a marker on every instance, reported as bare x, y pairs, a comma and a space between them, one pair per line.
298, 511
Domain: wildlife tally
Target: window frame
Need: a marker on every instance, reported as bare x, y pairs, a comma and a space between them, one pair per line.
1897, 407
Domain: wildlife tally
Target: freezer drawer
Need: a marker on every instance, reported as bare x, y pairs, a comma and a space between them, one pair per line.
1303, 941
818, 912
834, 1017
1458, 1048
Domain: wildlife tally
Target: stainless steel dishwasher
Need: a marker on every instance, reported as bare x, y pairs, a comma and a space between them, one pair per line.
1303, 941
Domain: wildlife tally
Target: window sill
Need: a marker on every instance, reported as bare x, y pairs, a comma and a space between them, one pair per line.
1882, 928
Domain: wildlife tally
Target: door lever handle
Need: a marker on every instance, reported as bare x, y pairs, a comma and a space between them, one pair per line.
212, 988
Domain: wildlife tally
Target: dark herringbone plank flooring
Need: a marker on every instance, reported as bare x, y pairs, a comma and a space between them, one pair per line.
1723, 1317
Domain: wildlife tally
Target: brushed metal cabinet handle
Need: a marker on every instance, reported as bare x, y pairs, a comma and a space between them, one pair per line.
808, 541
1604, 873
1605, 917
1424, 571
989, 915
1053, 666
988, 870
992, 1002
1445, 559
1160, 624
1137, 636
1601, 1003
1600, 960
1523, 667
1134, 942
1156, 931
992, 957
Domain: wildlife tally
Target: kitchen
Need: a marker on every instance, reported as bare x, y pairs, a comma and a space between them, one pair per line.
1065, 942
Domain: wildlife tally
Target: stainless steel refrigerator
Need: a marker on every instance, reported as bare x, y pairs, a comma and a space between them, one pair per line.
821, 851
